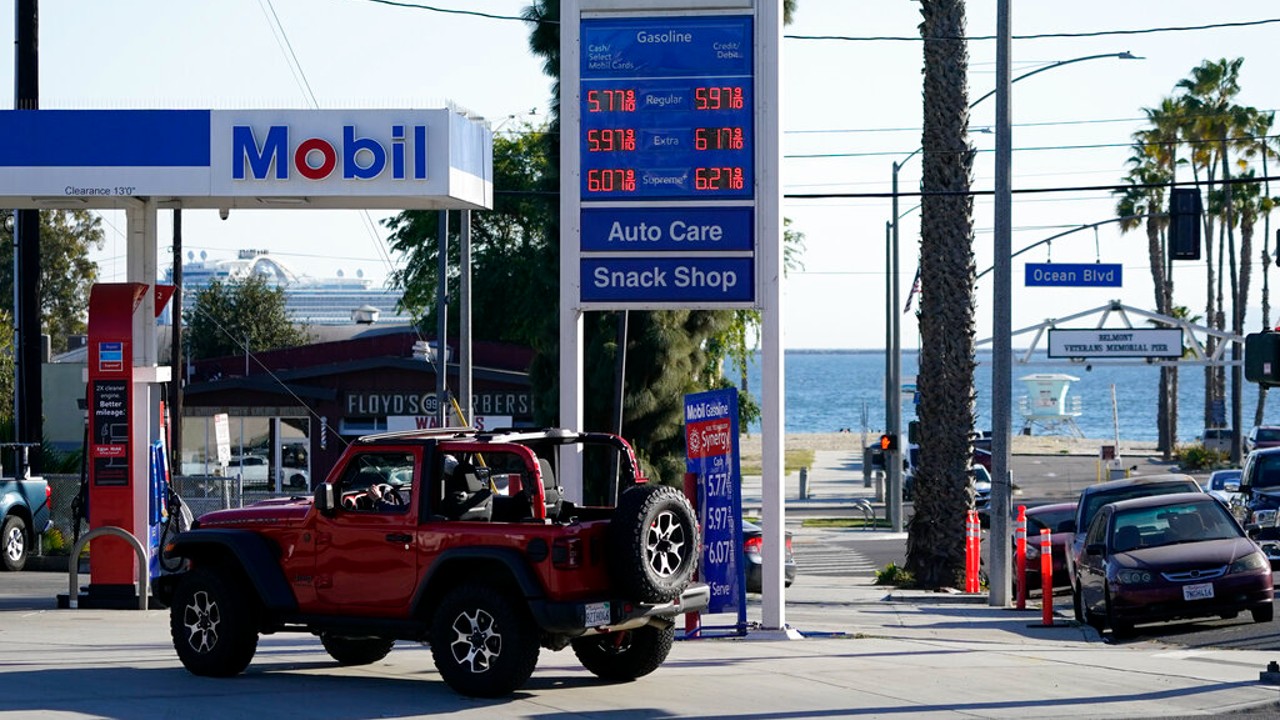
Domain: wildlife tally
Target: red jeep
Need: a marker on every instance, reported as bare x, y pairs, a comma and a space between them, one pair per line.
454, 538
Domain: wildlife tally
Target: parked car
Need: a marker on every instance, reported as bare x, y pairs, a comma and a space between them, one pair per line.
1057, 519
1262, 436
1217, 438
1170, 557
1257, 504
1224, 485
25, 503
1094, 497
752, 547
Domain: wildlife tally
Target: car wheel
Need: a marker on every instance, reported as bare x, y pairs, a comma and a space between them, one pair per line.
483, 642
298, 481
626, 655
14, 541
1119, 628
653, 543
356, 651
212, 624
1263, 613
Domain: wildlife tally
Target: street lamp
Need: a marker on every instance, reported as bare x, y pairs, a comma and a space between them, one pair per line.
893, 360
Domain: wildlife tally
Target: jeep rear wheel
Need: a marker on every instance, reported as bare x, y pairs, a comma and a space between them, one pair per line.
627, 655
13, 543
483, 641
356, 651
653, 541
211, 621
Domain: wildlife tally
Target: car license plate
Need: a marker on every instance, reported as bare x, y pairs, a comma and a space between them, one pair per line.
1199, 591
598, 614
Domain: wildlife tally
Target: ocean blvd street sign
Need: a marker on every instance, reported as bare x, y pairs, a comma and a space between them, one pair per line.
396, 159
1115, 343
665, 137
1074, 275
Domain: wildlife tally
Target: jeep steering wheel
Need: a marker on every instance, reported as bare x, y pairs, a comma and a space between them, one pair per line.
389, 495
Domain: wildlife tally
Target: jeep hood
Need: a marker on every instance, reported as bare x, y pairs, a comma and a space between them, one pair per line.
276, 511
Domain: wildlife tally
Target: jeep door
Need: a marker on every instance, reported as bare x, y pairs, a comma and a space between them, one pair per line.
366, 555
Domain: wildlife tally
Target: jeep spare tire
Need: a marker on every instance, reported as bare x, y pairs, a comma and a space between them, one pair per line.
653, 543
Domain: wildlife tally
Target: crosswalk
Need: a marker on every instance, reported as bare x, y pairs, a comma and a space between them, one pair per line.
828, 560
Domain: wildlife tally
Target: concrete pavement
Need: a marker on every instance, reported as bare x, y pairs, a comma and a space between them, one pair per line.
867, 652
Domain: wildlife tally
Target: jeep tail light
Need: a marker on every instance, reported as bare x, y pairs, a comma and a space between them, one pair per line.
566, 553
753, 545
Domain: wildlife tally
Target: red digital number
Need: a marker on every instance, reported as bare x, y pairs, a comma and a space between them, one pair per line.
615, 180
720, 138
611, 140
622, 100
718, 178
727, 97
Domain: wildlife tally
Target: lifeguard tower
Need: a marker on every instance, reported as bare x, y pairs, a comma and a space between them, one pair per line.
1047, 406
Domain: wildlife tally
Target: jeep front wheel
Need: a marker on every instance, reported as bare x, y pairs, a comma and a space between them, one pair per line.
483, 641
356, 651
211, 622
627, 655
653, 541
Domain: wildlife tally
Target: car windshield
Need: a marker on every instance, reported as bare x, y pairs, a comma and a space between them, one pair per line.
1051, 520
1129, 492
1267, 474
1171, 525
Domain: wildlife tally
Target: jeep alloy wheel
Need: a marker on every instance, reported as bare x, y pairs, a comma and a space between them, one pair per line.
483, 641
212, 625
653, 541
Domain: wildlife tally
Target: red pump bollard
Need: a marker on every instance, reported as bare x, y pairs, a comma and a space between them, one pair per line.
973, 545
1020, 536
693, 620
1046, 576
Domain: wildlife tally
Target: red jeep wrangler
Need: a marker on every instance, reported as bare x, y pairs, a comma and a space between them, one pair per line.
449, 537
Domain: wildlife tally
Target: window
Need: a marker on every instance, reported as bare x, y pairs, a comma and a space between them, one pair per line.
378, 482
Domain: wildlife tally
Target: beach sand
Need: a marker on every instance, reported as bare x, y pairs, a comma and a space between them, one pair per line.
1022, 444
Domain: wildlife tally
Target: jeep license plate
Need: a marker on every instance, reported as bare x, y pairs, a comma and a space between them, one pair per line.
1199, 591
598, 614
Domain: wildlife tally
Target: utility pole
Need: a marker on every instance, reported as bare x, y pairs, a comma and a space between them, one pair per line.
28, 413
175, 354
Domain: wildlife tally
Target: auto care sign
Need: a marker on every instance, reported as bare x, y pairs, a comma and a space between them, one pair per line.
711, 441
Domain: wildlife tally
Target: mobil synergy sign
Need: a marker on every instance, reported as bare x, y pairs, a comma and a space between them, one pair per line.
248, 158
711, 451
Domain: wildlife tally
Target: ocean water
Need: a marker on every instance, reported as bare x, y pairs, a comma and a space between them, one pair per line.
827, 390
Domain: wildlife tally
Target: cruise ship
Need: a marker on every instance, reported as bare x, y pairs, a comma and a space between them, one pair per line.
309, 301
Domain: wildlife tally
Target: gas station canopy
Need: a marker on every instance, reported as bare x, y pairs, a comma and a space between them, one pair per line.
359, 159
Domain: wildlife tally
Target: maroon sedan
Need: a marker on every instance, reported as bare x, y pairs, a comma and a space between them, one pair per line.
1168, 557
1053, 518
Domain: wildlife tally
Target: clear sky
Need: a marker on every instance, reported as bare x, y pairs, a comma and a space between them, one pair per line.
856, 104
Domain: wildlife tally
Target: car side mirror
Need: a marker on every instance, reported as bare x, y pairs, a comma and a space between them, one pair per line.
1252, 530
1096, 549
1231, 487
323, 499
1067, 526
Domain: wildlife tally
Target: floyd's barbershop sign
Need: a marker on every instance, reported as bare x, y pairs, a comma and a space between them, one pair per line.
384, 403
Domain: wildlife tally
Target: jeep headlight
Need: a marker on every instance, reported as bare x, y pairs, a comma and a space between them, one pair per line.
1250, 563
1133, 577
1265, 518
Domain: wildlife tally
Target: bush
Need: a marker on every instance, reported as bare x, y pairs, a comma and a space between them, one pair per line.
894, 575
1198, 457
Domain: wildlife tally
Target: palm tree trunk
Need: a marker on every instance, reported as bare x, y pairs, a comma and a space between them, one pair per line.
941, 492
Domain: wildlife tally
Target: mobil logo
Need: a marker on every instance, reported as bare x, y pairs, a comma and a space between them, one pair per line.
357, 157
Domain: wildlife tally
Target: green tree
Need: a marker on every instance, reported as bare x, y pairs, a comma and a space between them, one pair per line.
6, 376
236, 317
935, 554
66, 273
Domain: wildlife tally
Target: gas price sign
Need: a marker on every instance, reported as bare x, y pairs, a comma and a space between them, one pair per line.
667, 108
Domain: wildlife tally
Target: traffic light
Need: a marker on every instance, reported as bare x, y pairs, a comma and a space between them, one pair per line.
1184, 224
1262, 358
888, 442
913, 432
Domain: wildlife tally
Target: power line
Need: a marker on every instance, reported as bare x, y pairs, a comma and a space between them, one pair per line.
1033, 191
1041, 36
1038, 148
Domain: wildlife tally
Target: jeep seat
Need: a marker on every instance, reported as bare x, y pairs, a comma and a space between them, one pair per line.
465, 496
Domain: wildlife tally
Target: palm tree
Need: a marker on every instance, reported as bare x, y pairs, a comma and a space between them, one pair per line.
1209, 93
934, 542
1152, 166
1262, 147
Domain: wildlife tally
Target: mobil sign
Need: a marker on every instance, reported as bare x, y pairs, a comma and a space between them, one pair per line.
331, 152
394, 159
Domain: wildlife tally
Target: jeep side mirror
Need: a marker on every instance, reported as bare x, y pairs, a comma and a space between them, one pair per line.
324, 499
1096, 549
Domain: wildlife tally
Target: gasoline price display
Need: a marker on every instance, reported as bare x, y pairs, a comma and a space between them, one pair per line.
666, 108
